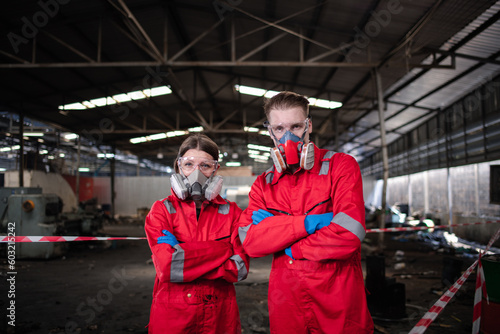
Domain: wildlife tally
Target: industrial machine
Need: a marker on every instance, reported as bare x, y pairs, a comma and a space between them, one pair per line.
36, 214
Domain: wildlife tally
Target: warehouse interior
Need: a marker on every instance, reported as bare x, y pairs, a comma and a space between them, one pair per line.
97, 96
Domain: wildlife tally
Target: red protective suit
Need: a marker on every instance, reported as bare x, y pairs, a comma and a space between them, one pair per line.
322, 290
194, 291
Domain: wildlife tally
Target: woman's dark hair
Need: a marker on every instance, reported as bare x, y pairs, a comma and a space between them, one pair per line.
198, 142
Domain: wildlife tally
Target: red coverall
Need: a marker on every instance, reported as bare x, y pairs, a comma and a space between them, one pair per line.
322, 290
193, 290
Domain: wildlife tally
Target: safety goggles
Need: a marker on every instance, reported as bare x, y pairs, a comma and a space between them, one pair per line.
188, 164
297, 128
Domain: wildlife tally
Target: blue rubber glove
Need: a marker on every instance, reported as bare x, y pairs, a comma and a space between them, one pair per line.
316, 222
259, 215
288, 251
169, 238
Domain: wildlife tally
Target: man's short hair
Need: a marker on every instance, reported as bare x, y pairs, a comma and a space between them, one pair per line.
286, 100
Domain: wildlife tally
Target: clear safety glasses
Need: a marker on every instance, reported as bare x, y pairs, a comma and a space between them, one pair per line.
188, 164
297, 128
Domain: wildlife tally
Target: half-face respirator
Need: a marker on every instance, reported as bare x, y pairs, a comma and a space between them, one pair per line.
291, 150
196, 185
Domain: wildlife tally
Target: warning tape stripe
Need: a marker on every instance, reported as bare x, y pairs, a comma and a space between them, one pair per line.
63, 238
78, 238
415, 228
434, 311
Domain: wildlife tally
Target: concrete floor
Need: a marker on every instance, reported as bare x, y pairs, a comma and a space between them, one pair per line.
79, 293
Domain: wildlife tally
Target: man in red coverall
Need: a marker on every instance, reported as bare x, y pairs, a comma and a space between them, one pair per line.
308, 211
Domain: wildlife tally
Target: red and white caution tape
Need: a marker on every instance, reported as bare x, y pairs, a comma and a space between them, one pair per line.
63, 238
481, 288
416, 228
434, 311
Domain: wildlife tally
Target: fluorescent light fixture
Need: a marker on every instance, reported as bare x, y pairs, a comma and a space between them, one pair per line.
105, 155
196, 129
260, 160
122, 97
321, 103
43, 152
255, 91
162, 90
137, 95
258, 147
233, 164
118, 98
70, 136
33, 134
8, 149
84, 169
88, 104
177, 133
3, 169
62, 155
324, 103
157, 136
264, 133
102, 101
250, 129
138, 140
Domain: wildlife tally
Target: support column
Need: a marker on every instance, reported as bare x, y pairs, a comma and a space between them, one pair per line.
385, 158
77, 186
21, 150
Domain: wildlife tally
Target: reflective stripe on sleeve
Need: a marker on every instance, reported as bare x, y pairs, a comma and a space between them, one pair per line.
240, 264
169, 206
242, 232
177, 266
350, 224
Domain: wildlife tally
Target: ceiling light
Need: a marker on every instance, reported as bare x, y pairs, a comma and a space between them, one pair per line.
33, 134
233, 164
70, 136
123, 97
158, 136
84, 169
321, 103
102, 101
250, 129
137, 95
196, 129
255, 91
259, 147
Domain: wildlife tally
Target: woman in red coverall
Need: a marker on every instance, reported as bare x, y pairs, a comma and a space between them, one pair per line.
196, 250
308, 211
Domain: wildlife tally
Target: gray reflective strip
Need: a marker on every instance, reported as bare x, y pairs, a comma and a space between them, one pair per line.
177, 266
269, 177
240, 264
242, 232
224, 209
350, 224
325, 166
169, 206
